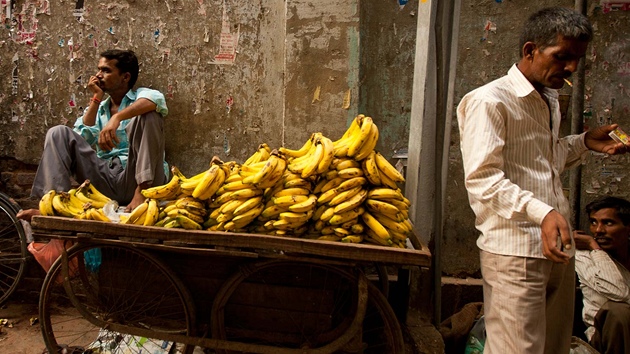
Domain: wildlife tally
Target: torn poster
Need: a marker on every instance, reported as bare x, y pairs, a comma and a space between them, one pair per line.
615, 5
78, 10
14, 75
227, 45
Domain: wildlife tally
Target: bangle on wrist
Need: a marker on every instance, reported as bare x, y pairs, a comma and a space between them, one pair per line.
95, 99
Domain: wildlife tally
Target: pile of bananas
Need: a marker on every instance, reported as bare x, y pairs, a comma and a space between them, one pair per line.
342, 191
84, 202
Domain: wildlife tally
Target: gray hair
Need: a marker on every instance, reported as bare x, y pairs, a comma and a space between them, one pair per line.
543, 27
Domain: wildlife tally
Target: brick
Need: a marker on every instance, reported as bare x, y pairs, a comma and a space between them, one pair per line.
25, 178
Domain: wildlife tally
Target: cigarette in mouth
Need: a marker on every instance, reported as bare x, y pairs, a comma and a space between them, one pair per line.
568, 82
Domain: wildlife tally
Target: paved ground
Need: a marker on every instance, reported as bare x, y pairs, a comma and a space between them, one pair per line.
17, 334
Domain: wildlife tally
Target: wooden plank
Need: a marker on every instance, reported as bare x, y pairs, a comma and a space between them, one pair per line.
337, 250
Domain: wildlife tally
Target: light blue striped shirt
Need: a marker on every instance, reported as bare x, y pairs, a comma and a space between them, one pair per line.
513, 159
91, 133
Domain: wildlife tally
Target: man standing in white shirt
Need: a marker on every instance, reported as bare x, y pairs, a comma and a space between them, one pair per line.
602, 263
513, 158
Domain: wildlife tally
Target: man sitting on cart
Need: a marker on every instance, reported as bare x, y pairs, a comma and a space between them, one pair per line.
118, 143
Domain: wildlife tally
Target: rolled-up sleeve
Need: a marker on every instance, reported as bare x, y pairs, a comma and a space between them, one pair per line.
154, 96
89, 133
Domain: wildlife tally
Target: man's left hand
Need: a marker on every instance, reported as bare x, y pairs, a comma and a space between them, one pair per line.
107, 139
597, 139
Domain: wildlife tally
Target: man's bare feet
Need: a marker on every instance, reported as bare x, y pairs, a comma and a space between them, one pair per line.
27, 214
137, 199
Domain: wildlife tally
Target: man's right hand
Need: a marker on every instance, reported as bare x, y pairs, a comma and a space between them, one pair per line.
554, 225
95, 86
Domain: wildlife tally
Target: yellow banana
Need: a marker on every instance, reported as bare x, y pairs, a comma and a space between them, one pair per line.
351, 203
341, 232
383, 207
192, 205
348, 224
346, 163
176, 212
350, 172
62, 207
341, 146
328, 154
341, 218
320, 184
205, 182
331, 174
304, 206
152, 213
370, 169
292, 191
384, 193
332, 184
348, 184
387, 169
94, 193
289, 200
361, 137
264, 172
137, 213
163, 192
76, 202
187, 223
45, 203
327, 214
398, 236
256, 157
369, 144
357, 228
327, 196
319, 211
388, 182
345, 195
233, 186
311, 166
333, 238
293, 217
230, 206
99, 215
283, 224
298, 183
352, 239
375, 226
300, 152
240, 221
214, 186
83, 194
274, 176
373, 238
248, 205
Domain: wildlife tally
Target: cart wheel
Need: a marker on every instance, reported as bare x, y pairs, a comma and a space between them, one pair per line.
126, 287
300, 305
13, 252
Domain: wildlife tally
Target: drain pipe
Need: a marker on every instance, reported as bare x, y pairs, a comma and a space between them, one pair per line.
577, 127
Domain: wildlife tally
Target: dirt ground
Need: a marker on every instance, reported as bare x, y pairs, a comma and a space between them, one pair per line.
17, 334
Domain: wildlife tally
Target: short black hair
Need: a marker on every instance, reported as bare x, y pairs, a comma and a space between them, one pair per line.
543, 27
621, 205
126, 62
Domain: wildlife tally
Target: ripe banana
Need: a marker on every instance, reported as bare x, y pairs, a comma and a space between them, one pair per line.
332, 237
351, 203
163, 192
298, 183
275, 175
352, 239
370, 169
388, 182
360, 137
382, 207
341, 218
387, 169
374, 225
176, 212
350, 172
152, 213
384, 193
345, 195
61, 205
242, 220
137, 213
369, 144
288, 200
292, 191
331, 184
248, 204
83, 194
328, 154
98, 215
45, 203
319, 211
346, 163
263, 172
261, 154
233, 186
94, 193
304, 206
327, 214
351, 183
187, 223
301, 151
373, 238
314, 160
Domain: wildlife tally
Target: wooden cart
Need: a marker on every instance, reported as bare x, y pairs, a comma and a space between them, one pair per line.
121, 284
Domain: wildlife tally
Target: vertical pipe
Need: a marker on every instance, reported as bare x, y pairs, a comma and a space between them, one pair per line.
577, 127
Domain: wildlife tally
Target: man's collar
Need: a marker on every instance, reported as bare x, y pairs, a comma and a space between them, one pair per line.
523, 87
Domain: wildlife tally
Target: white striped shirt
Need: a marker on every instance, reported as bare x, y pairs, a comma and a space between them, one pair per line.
601, 279
513, 159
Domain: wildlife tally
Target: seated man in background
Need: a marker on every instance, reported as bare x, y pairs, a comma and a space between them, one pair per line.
602, 263
118, 143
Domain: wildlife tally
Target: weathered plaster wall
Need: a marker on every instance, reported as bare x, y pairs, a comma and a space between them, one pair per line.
285, 51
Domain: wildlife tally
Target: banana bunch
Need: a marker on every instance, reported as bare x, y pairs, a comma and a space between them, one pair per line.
204, 185
166, 191
94, 214
146, 214
387, 217
358, 140
289, 206
264, 174
380, 172
87, 193
262, 154
62, 204
235, 206
317, 158
186, 212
